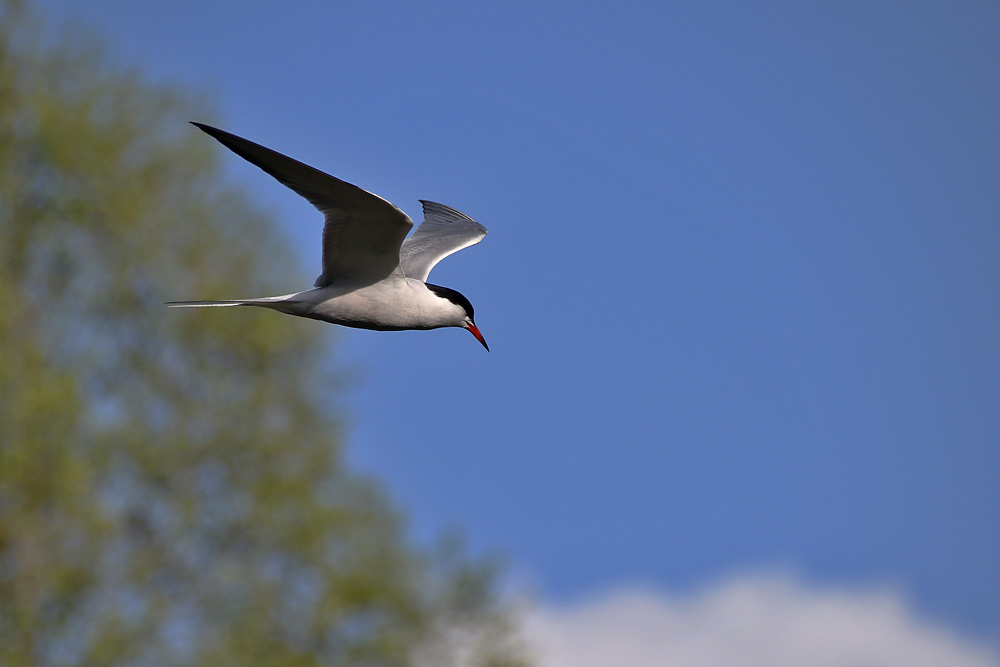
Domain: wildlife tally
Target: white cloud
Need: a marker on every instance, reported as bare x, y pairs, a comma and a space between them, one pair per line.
749, 621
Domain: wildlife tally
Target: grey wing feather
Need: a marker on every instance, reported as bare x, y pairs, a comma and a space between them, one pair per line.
444, 231
363, 232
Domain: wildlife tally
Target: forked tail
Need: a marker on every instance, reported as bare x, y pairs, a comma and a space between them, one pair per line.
276, 302
206, 304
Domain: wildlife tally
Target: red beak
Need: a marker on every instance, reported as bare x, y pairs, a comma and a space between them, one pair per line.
475, 332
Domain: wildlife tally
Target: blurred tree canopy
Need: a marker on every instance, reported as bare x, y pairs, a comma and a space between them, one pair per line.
171, 486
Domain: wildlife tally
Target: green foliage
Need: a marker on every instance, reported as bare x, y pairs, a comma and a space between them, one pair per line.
171, 488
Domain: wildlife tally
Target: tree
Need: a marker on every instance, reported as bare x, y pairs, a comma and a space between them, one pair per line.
171, 486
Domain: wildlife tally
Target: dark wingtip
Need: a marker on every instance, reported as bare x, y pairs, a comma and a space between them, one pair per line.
207, 129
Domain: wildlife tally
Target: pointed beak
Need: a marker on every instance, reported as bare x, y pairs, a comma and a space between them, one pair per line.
475, 332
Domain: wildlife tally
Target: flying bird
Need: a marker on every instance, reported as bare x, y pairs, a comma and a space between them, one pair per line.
374, 277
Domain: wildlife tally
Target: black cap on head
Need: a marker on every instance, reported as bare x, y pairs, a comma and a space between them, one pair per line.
455, 297
459, 300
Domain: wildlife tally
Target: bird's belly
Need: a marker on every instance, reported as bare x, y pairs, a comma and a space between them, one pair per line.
375, 307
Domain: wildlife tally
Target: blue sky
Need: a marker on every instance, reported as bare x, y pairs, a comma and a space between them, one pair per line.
740, 286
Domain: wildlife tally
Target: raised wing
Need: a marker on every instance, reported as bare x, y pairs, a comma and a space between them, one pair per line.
443, 232
363, 232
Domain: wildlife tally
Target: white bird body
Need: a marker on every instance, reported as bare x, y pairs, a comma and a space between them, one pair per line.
373, 277
388, 305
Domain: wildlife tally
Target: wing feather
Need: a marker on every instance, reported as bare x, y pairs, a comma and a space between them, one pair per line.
444, 231
362, 234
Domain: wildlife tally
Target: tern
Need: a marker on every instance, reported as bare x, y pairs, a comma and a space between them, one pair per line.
374, 277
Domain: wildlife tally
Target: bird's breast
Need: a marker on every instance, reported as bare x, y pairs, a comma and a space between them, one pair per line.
386, 306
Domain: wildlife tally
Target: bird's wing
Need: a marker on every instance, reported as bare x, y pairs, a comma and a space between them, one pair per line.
443, 232
363, 232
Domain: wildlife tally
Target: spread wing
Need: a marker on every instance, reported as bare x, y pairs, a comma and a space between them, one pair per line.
363, 232
443, 232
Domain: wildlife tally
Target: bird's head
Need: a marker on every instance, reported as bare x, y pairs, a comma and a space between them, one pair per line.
463, 310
